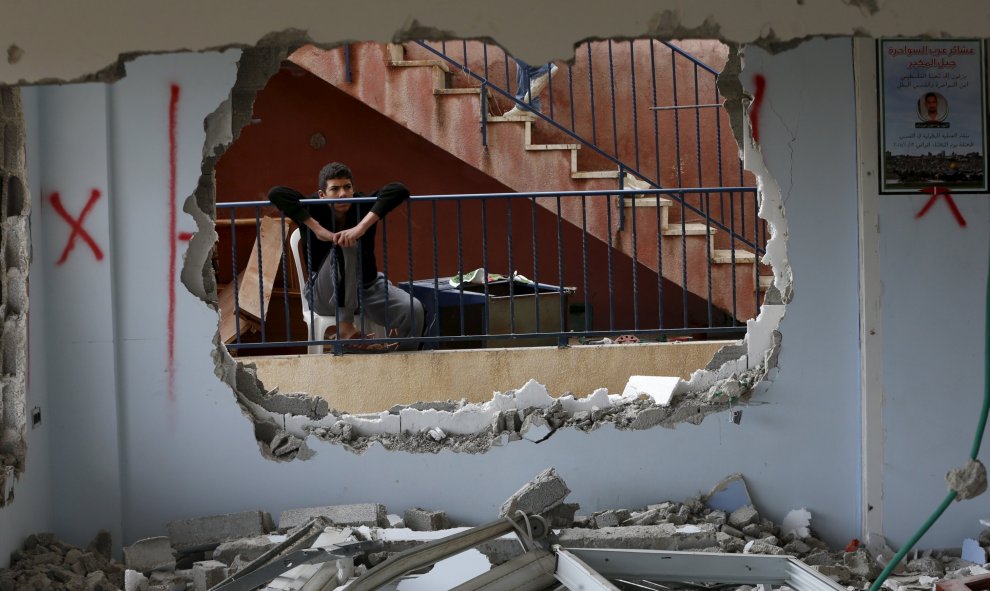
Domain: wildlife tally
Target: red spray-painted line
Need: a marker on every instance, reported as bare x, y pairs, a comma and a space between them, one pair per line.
173, 107
760, 84
946, 193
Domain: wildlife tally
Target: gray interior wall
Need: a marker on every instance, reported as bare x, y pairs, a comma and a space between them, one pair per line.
194, 454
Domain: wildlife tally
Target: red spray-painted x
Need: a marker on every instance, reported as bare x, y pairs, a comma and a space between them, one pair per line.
76, 225
937, 192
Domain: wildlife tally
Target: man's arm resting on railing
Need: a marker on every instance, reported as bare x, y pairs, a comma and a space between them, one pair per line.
387, 198
286, 199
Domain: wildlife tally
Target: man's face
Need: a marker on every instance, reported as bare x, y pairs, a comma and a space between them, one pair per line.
338, 189
931, 105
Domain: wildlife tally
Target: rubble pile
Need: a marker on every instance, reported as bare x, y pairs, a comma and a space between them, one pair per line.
199, 553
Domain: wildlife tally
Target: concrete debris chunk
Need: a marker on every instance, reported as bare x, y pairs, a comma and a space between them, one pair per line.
367, 514
838, 573
135, 581
247, 549
208, 574
761, 547
206, 533
538, 496
968, 481
928, 566
860, 564
562, 515
743, 516
610, 518
150, 554
418, 519
101, 544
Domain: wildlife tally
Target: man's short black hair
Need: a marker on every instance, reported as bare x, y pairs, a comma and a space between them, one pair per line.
334, 170
930, 94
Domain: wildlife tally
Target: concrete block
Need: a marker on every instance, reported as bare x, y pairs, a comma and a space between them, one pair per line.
368, 514
538, 496
205, 533
208, 573
743, 516
562, 515
610, 518
664, 536
150, 554
418, 519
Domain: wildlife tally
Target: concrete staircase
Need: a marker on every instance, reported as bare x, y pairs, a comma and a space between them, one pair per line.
419, 94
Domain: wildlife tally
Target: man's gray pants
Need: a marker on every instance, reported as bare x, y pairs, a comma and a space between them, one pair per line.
380, 302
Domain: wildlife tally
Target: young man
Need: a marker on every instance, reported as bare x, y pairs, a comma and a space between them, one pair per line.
340, 238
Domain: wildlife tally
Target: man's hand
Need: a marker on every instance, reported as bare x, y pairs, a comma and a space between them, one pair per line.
350, 236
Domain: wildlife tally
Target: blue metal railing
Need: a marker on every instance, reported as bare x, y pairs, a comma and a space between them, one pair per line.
670, 81
637, 288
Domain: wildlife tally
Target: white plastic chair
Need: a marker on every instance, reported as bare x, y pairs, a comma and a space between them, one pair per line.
320, 324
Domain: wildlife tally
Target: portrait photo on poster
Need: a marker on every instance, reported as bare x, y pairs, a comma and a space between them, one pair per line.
932, 104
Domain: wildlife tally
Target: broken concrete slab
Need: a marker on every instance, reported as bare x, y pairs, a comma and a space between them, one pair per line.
660, 388
208, 573
664, 536
418, 519
135, 581
538, 496
150, 554
367, 514
206, 533
610, 518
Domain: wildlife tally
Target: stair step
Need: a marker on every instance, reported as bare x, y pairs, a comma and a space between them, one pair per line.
456, 91
421, 63
646, 201
595, 174
690, 229
503, 118
725, 256
553, 146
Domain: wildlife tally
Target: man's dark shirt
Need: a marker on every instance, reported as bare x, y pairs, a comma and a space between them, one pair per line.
387, 198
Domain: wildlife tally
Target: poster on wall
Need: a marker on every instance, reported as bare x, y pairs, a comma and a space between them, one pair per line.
933, 115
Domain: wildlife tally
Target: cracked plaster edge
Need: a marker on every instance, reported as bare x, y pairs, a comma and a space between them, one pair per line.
283, 435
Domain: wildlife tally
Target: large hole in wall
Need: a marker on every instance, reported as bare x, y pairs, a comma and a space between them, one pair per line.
401, 112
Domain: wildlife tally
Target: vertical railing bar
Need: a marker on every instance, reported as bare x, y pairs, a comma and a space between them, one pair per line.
347, 62
697, 128
708, 251
570, 86
550, 89
536, 264
659, 256
388, 319
338, 345
460, 264
484, 261
584, 256
677, 119
718, 143
285, 281
233, 262
464, 44
611, 82
261, 274
508, 81
684, 261
756, 259
732, 252
436, 270
560, 278
632, 70
409, 257
635, 265
656, 118
611, 284
512, 271
591, 88
484, 97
